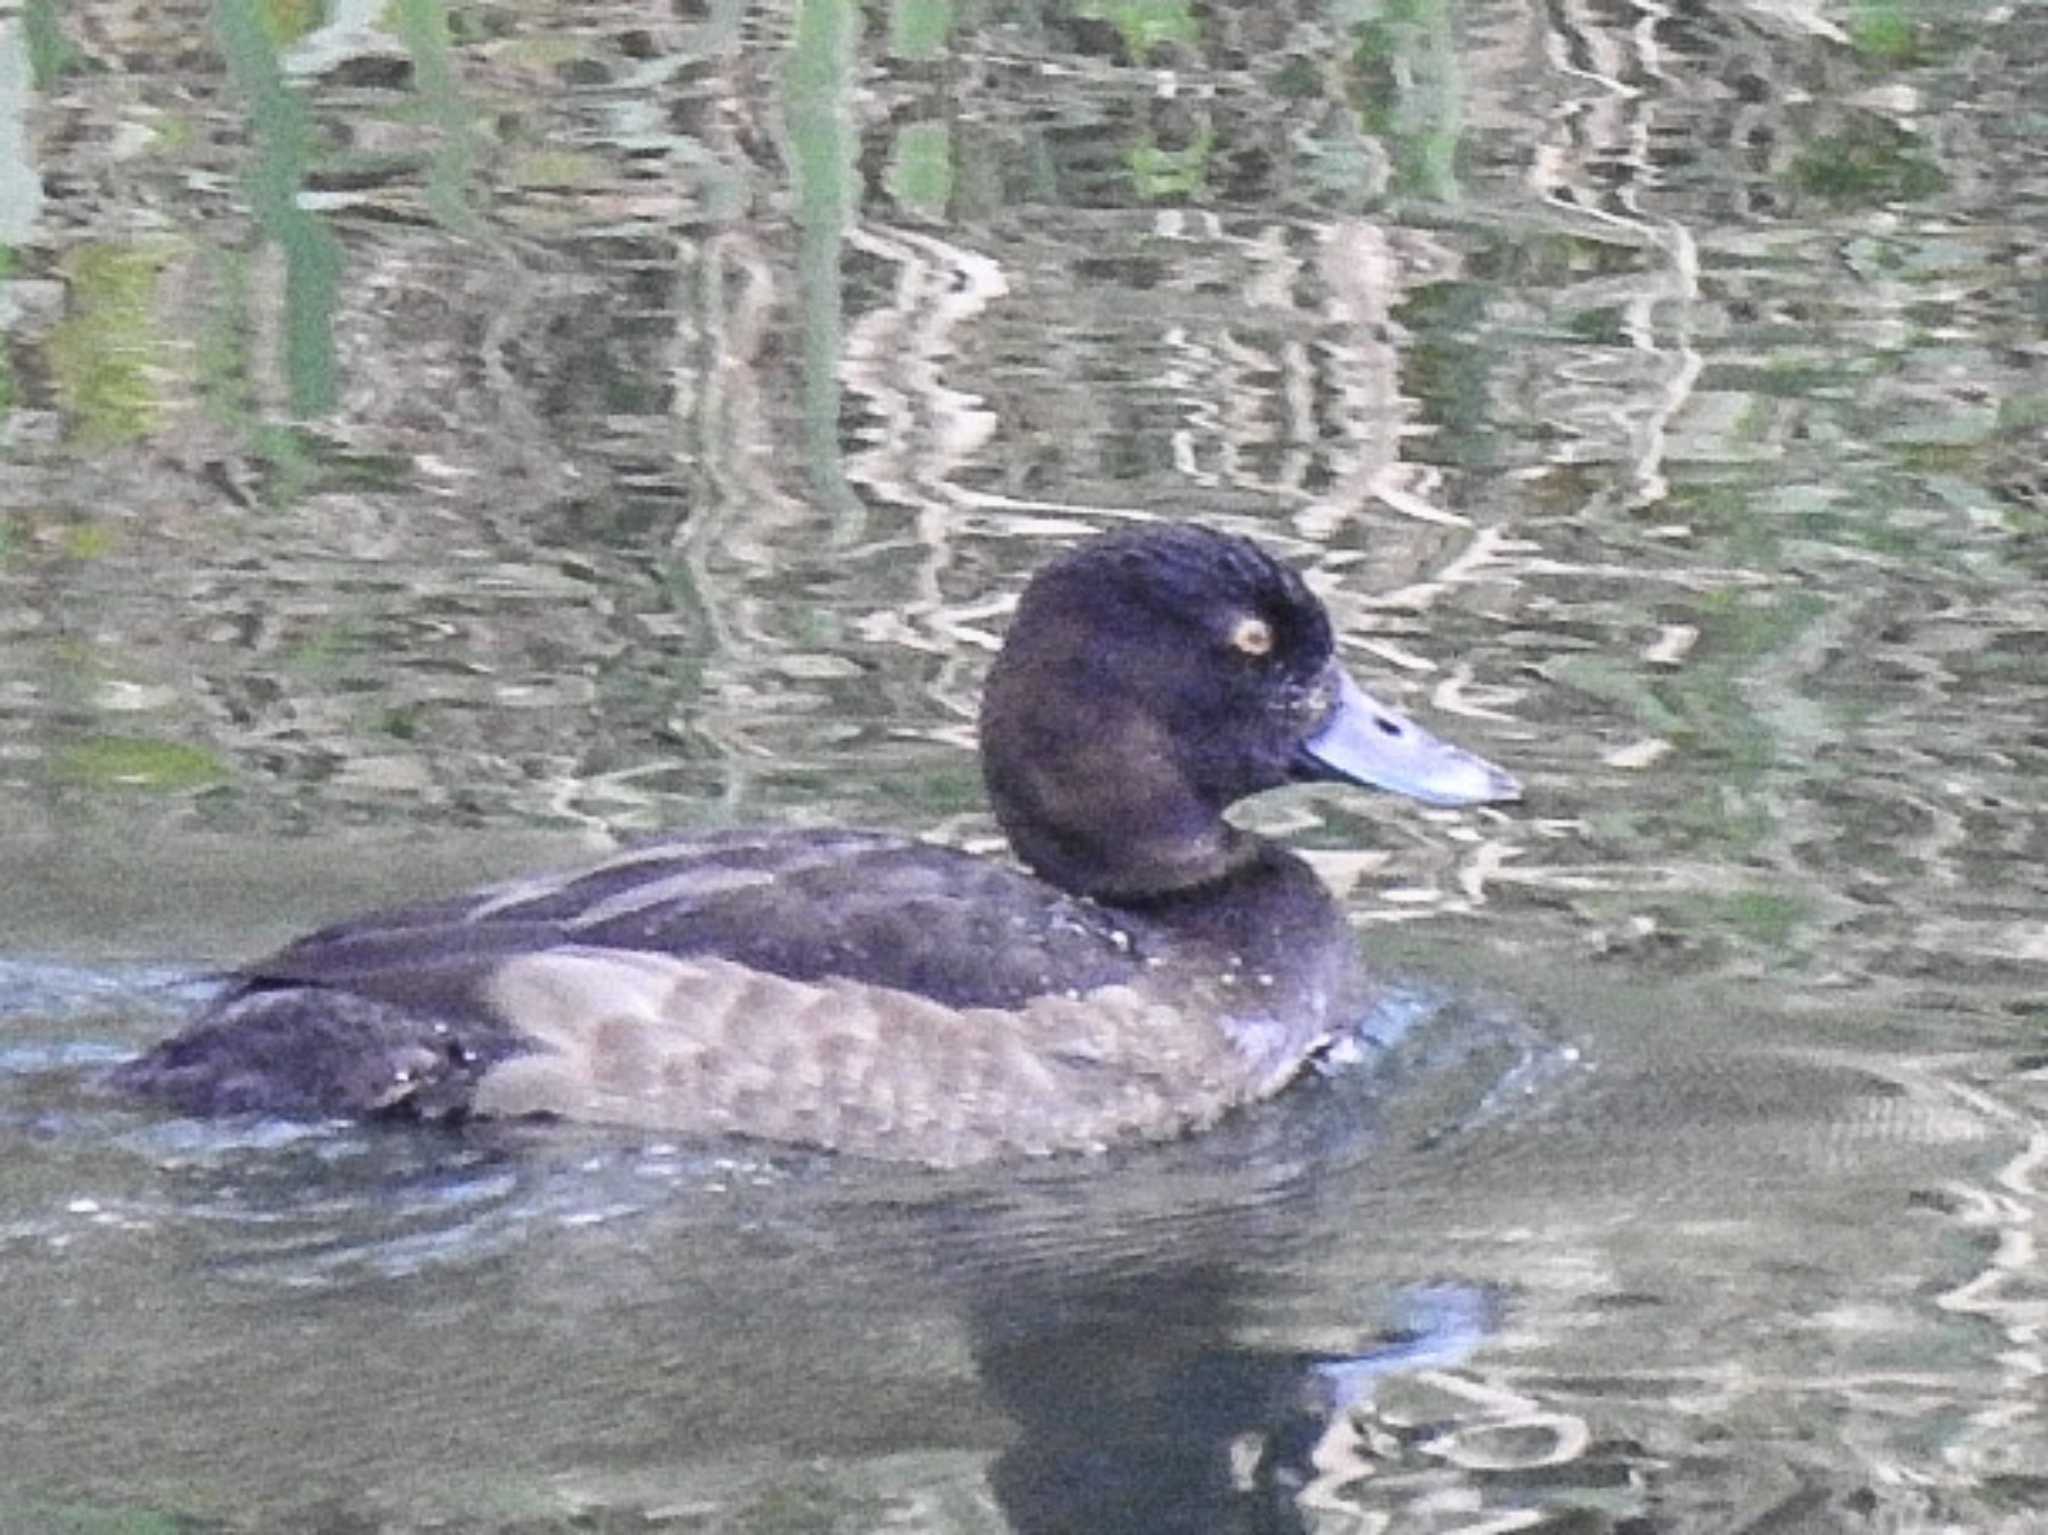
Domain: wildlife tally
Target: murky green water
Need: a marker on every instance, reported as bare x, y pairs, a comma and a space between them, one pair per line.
442, 439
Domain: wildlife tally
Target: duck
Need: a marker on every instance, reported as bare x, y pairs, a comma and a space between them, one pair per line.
1144, 968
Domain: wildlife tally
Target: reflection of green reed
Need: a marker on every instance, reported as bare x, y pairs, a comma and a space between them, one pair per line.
50, 54
1882, 29
1721, 707
1145, 24
105, 354
1766, 919
73, 675
222, 352
283, 135
920, 174
1742, 632
136, 762
294, 460
1750, 728
6, 361
1407, 85
1171, 173
1868, 168
422, 26
823, 69
286, 21
919, 29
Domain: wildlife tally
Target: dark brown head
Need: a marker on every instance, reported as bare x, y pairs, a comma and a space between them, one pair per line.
1153, 677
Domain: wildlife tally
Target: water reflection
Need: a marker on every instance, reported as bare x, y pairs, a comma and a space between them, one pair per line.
469, 425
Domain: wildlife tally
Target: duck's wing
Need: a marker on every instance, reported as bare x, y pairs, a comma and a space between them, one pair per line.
802, 905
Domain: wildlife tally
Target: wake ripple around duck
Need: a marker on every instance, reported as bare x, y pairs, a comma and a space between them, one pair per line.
297, 1204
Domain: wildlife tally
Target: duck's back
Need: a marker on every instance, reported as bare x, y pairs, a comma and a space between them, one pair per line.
800, 904
853, 990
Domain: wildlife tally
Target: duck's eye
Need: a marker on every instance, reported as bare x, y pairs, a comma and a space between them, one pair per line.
1253, 636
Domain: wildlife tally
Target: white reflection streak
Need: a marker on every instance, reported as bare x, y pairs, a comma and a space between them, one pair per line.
1622, 116
1800, 16
1490, 1441
2003, 1291
1188, 362
1366, 282
895, 356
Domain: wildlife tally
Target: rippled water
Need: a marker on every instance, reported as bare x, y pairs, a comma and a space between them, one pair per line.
443, 440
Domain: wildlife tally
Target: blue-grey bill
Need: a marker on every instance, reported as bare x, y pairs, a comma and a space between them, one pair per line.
1366, 742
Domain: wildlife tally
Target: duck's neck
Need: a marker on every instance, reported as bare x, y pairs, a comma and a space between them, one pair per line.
1102, 808
1129, 858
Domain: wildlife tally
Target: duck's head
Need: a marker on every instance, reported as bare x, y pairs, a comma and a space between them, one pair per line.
1152, 678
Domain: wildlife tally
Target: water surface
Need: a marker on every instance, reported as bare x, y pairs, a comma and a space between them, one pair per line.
439, 441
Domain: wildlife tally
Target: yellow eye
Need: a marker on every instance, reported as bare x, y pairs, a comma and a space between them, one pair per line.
1253, 636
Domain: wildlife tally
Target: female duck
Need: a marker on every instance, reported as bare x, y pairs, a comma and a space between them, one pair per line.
885, 996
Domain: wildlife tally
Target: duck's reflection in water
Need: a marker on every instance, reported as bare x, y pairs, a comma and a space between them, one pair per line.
1130, 1320
1138, 1408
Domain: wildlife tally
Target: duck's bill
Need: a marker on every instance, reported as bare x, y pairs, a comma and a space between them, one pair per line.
1365, 742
